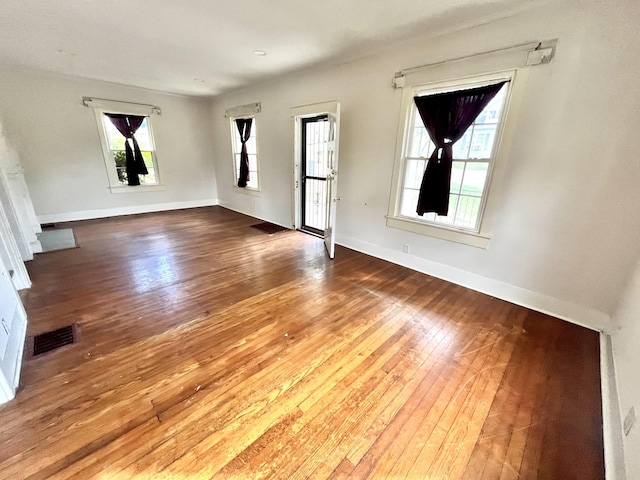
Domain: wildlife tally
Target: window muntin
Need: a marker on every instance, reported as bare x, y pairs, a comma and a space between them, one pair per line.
115, 143
252, 151
472, 161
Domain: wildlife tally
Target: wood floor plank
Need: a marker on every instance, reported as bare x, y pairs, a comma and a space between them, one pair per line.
207, 348
441, 418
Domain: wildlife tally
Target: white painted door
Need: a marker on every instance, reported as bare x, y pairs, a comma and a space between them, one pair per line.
332, 181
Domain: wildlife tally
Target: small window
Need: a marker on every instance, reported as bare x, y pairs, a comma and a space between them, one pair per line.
472, 162
252, 152
115, 143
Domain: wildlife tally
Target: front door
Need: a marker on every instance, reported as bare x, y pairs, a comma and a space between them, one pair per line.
315, 170
315, 157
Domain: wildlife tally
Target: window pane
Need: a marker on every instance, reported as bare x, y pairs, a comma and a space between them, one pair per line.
148, 159
316, 149
420, 142
456, 176
315, 202
144, 142
461, 147
119, 158
148, 179
236, 139
474, 178
122, 174
493, 110
482, 141
251, 146
467, 213
253, 179
409, 203
253, 163
142, 136
449, 219
116, 140
413, 173
114, 137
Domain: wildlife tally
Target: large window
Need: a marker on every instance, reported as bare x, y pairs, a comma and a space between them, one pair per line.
252, 151
116, 147
472, 161
479, 158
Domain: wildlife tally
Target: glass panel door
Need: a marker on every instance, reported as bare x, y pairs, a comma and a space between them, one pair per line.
315, 155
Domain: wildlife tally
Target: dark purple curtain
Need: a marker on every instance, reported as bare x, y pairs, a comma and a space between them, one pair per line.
128, 125
446, 116
244, 129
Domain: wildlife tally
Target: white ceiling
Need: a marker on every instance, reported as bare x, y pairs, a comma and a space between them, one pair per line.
204, 47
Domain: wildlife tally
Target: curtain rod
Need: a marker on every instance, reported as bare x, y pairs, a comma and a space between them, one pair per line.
537, 53
524, 46
87, 102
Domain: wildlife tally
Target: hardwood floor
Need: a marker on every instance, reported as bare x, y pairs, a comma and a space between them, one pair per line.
208, 349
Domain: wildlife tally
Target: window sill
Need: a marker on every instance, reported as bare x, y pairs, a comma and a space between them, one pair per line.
247, 190
136, 189
445, 233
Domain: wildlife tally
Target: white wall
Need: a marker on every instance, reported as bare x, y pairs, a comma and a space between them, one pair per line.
58, 143
568, 221
626, 352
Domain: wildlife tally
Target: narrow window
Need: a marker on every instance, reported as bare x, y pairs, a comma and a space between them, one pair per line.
252, 182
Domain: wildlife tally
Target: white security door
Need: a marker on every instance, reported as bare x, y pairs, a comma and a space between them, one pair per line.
315, 170
332, 181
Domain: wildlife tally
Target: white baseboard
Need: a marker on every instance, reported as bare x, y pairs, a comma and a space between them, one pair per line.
571, 312
36, 247
131, 210
614, 461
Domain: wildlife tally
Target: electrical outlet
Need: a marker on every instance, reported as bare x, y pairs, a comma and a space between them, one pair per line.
405, 248
629, 420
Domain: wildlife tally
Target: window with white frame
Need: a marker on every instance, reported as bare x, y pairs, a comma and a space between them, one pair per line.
115, 119
479, 159
252, 152
473, 156
115, 143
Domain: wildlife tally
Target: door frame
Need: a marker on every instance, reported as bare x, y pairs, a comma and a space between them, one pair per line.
297, 114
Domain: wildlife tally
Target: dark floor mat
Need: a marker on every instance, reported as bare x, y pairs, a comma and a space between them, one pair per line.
269, 228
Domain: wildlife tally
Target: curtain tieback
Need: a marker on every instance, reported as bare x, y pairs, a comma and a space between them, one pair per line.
440, 150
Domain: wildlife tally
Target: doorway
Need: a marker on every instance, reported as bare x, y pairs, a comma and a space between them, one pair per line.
315, 170
314, 145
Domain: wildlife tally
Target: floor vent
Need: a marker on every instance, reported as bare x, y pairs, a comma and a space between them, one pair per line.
45, 342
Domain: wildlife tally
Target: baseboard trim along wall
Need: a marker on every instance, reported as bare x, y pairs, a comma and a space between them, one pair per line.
571, 312
131, 210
